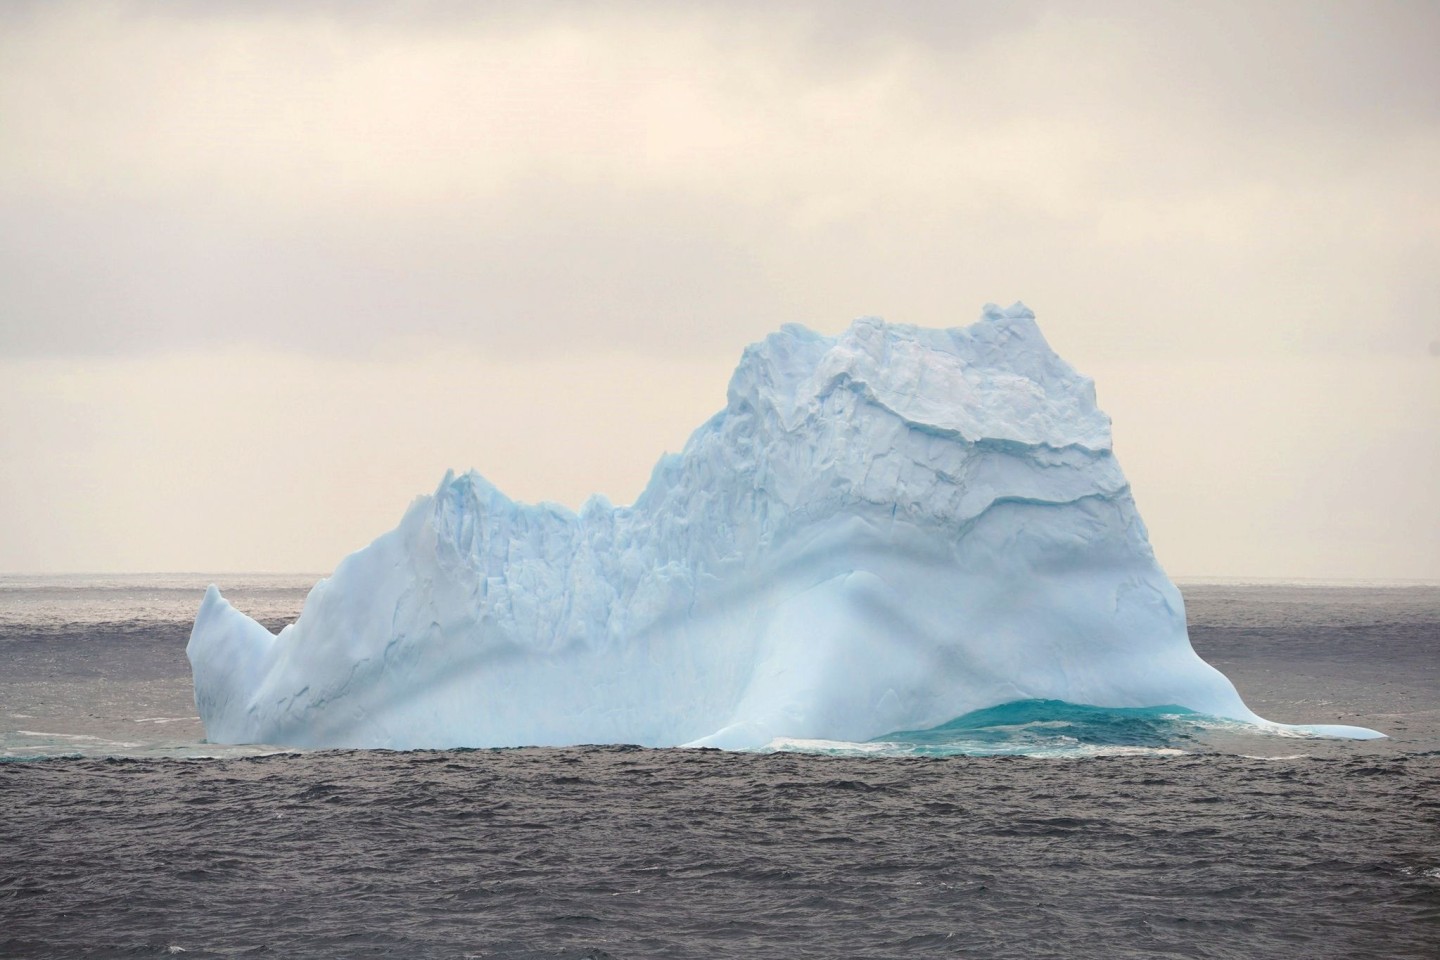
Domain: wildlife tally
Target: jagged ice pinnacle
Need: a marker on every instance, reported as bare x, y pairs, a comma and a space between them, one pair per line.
881, 531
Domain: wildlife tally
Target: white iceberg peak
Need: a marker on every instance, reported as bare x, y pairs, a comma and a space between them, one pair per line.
1016, 311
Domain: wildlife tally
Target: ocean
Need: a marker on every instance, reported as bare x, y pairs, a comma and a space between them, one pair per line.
1033, 830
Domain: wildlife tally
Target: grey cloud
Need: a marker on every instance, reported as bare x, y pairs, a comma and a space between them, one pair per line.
628, 271
1365, 64
554, 271
1223, 107
1316, 59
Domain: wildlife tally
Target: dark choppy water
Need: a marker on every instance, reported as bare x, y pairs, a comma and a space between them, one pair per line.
1127, 836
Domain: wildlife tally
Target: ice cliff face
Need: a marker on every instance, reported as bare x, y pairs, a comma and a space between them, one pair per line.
881, 531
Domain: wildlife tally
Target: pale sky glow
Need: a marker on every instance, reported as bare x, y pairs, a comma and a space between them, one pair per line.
267, 270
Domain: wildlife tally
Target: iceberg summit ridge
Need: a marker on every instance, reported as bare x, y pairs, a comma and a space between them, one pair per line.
883, 530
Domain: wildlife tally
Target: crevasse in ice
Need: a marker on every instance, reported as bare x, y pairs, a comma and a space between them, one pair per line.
880, 531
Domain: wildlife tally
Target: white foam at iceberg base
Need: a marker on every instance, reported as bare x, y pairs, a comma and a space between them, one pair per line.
881, 531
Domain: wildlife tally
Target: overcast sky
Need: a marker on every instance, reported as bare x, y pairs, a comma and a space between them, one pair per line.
268, 269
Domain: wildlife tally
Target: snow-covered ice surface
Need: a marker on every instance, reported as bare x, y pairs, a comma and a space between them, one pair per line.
882, 531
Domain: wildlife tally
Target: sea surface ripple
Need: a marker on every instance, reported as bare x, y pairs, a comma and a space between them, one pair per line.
626, 852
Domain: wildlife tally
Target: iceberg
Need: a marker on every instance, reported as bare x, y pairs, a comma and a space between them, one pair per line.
881, 531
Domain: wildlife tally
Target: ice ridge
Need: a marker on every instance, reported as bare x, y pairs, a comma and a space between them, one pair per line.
881, 531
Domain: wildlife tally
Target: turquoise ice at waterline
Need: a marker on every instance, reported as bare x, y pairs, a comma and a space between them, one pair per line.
881, 531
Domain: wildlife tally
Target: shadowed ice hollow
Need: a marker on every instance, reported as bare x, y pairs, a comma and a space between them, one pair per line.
881, 531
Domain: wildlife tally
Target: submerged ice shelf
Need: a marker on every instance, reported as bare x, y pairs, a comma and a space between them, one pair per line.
882, 531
